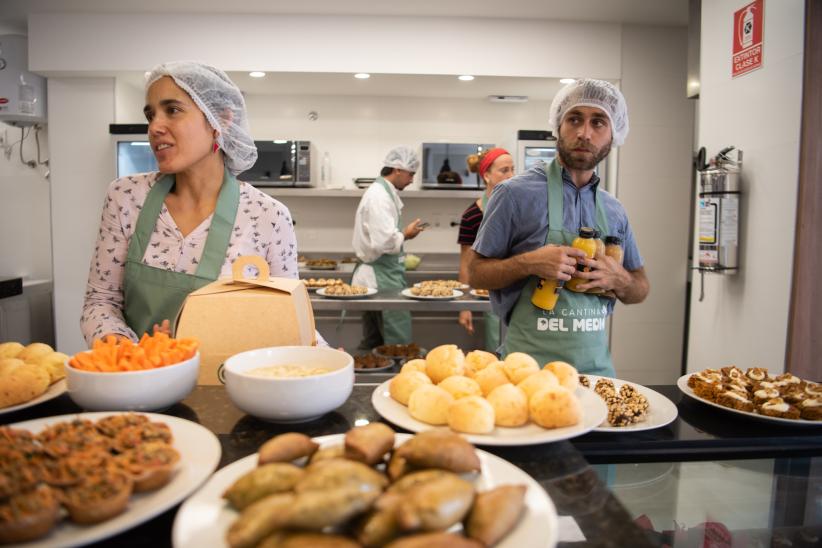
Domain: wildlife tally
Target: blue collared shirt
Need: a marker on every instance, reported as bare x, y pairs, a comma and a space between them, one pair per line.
516, 221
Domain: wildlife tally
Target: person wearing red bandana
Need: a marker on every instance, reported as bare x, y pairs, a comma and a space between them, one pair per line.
493, 166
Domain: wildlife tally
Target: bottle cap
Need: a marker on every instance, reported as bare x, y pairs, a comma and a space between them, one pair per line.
613, 240
586, 232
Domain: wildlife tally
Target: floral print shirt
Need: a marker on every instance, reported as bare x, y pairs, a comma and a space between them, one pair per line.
262, 227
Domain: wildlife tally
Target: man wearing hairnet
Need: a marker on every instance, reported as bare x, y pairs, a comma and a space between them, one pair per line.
531, 222
166, 233
378, 242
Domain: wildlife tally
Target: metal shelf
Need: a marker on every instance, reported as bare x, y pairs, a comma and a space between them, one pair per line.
278, 192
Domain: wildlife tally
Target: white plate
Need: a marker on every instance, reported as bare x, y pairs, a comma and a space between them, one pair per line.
682, 383
205, 517
454, 294
53, 391
462, 286
661, 410
477, 295
370, 291
593, 413
199, 455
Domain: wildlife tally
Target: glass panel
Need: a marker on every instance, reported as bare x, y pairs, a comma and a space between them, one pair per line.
443, 157
134, 157
765, 502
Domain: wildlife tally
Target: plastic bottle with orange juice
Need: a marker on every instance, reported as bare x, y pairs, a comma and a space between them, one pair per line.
588, 244
546, 293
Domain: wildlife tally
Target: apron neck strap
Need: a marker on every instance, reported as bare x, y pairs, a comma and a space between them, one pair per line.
385, 184
555, 198
219, 233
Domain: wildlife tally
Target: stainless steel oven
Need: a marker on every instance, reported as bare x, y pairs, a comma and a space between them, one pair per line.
280, 163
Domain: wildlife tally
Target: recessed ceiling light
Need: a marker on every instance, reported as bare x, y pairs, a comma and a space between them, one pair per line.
362, 76
256, 74
465, 77
567, 80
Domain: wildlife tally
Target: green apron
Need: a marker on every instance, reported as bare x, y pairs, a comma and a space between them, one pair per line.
574, 331
154, 294
491, 320
390, 272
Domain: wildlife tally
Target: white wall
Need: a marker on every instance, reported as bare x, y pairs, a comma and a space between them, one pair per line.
25, 220
743, 319
80, 110
311, 43
654, 186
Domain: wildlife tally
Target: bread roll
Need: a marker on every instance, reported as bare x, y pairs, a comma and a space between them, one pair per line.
460, 387
54, 364
510, 405
477, 360
429, 404
566, 373
7, 365
555, 407
34, 351
444, 361
535, 382
22, 383
405, 383
518, 366
10, 349
414, 365
491, 377
472, 415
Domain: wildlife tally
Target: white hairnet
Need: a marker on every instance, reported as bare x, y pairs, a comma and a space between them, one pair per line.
402, 158
222, 103
592, 93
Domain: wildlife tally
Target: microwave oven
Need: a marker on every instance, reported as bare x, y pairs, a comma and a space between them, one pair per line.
444, 165
280, 163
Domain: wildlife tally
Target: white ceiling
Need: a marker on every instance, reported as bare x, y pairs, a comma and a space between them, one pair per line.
14, 13
14, 16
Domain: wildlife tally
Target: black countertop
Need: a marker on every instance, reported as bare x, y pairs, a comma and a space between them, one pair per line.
562, 468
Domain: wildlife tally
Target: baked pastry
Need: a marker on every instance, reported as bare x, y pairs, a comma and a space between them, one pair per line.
543, 379
472, 415
734, 400
461, 387
429, 404
778, 407
518, 366
416, 364
583, 381
566, 374
477, 360
757, 374
491, 377
510, 405
444, 361
764, 394
495, 513
404, 384
811, 409
554, 407
10, 349
369, 443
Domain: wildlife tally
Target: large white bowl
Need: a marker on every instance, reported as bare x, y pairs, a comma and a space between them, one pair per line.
292, 399
151, 389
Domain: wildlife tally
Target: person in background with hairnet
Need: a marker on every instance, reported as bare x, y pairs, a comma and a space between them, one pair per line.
378, 243
531, 222
167, 233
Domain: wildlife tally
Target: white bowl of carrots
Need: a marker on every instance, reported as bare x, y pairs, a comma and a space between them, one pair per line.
120, 375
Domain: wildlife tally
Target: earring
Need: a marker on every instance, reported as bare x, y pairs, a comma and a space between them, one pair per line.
216, 147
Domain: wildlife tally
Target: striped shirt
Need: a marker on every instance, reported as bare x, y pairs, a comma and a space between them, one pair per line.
469, 224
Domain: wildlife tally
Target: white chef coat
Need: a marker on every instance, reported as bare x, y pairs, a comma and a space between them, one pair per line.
375, 230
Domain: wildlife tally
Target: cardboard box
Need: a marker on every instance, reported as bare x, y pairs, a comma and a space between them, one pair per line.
236, 314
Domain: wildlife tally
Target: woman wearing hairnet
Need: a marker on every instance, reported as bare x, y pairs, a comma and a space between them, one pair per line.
531, 222
166, 233
378, 241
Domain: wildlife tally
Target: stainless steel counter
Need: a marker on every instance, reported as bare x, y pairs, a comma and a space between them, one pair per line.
392, 300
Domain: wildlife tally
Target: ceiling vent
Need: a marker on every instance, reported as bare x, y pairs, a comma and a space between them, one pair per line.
508, 98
